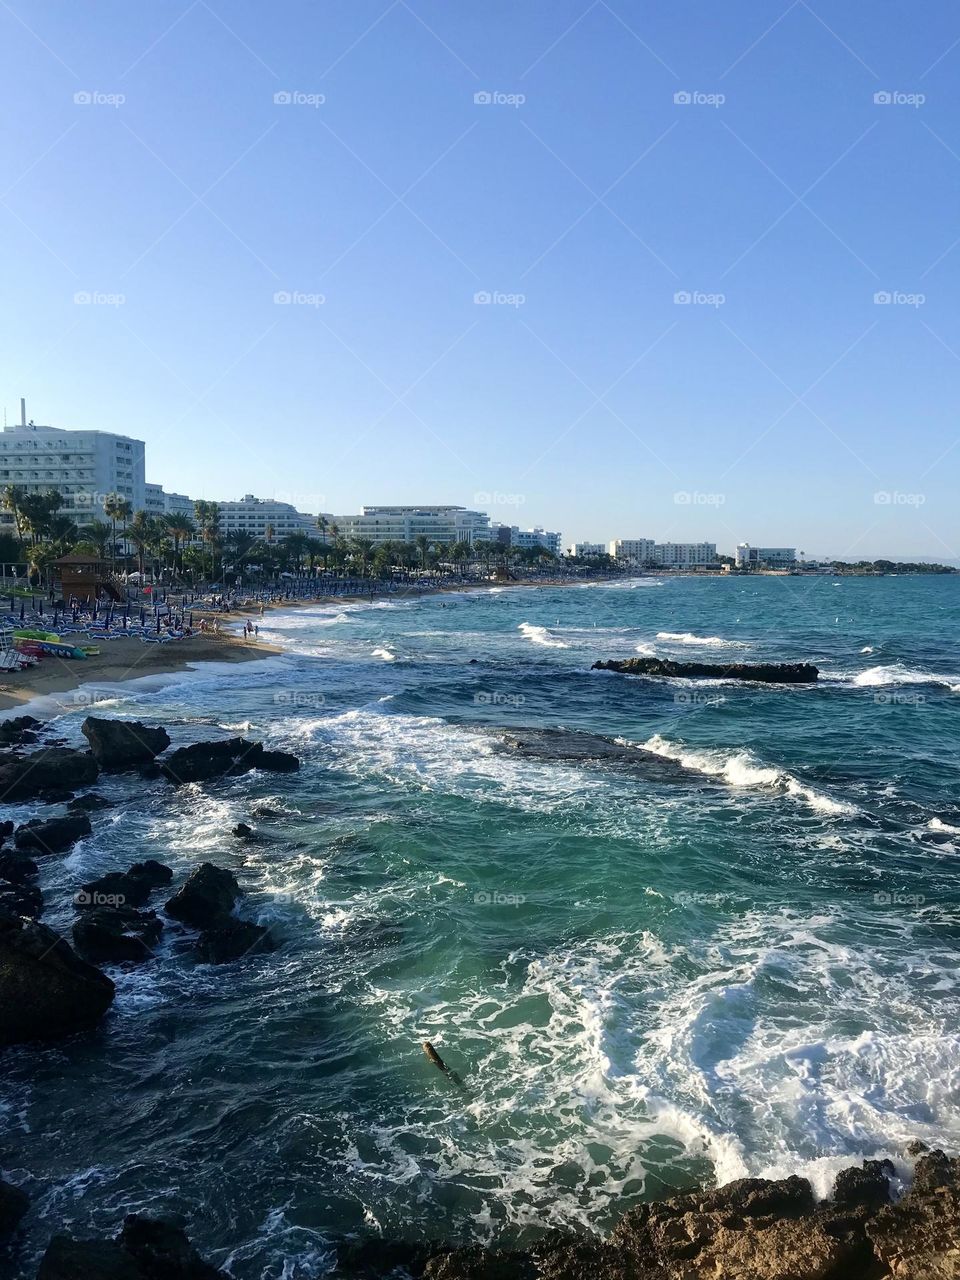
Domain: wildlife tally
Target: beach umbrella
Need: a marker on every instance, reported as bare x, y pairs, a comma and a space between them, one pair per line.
191, 617
23, 610
158, 624
143, 616
125, 617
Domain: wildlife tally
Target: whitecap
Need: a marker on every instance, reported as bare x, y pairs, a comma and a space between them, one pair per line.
710, 642
540, 635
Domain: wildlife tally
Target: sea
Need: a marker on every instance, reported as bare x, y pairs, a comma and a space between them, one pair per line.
664, 932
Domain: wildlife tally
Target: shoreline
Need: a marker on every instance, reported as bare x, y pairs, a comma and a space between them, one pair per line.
126, 658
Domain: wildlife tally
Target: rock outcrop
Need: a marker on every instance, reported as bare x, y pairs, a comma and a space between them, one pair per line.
17, 867
207, 898
54, 770
46, 990
752, 1229
115, 935
53, 835
766, 672
208, 760
14, 1203
123, 744
234, 940
89, 803
18, 730
130, 888
146, 1249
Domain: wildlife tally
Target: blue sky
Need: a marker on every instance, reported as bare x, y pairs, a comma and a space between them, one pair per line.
145, 162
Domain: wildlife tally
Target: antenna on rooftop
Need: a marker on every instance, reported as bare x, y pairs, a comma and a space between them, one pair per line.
23, 412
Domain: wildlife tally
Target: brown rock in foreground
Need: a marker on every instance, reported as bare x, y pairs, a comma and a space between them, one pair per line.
752, 1229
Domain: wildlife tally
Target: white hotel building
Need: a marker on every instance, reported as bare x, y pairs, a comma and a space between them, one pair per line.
266, 519
406, 524
664, 555
748, 557
83, 466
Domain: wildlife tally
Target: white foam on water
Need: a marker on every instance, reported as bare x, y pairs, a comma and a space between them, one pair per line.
937, 824
895, 673
868, 648
710, 642
385, 654
741, 769
540, 635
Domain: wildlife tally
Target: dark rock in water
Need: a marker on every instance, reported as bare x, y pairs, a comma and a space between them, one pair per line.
46, 990
55, 797
264, 811
475, 1263
146, 1249
373, 1257
20, 900
123, 744
206, 760
112, 935
150, 771
53, 835
243, 832
18, 729
89, 803
869, 1185
6, 829
14, 1203
766, 672
572, 746
17, 868
57, 769
207, 898
233, 940
130, 888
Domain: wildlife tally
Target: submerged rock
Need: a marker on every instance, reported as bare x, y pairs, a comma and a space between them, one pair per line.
206, 760
57, 769
146, 1249
89, 803
207, 898
52, 835
243, 832
233, 940
46, 990
123, 744
18, 729
14, 1203
17, 868
112, 935
20, 900
766, 672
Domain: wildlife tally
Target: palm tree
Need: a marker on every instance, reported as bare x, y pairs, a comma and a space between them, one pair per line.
208, 520
13, 496
96, 536
362, 549
315, 550
181, 529
141, 534
295, 545
422, 543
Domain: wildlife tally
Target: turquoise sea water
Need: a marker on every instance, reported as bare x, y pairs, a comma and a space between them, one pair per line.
731, 952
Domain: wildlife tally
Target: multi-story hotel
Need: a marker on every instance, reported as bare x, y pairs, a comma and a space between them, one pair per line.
85, 467
406, 524
265, 519
584, 550
664, 555
748, 557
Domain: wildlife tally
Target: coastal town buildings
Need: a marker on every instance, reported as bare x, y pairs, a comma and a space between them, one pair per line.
85, 467
265, 519
664, 555
527, 538
748, 557
407, 523
585, 550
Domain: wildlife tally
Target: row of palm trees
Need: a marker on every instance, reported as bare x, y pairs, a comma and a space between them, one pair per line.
177, 547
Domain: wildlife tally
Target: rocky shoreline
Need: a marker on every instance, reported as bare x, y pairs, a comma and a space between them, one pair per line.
764, 672
52, 988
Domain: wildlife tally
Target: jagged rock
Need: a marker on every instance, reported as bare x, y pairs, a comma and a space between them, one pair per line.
53, 835
130, 888
205, 760
233, 940
243, 832
17, 868
146, 1249
56, 769
89, 803
265, 811
868, 1185
112, 935
767, 672
207, 898
14, 1203
123, 744
919, 1238
6, 829
18, 729
916, 1147
20, 900
481, 1264
46, 990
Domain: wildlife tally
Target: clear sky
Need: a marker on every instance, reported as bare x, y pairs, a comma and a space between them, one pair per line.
146, 163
